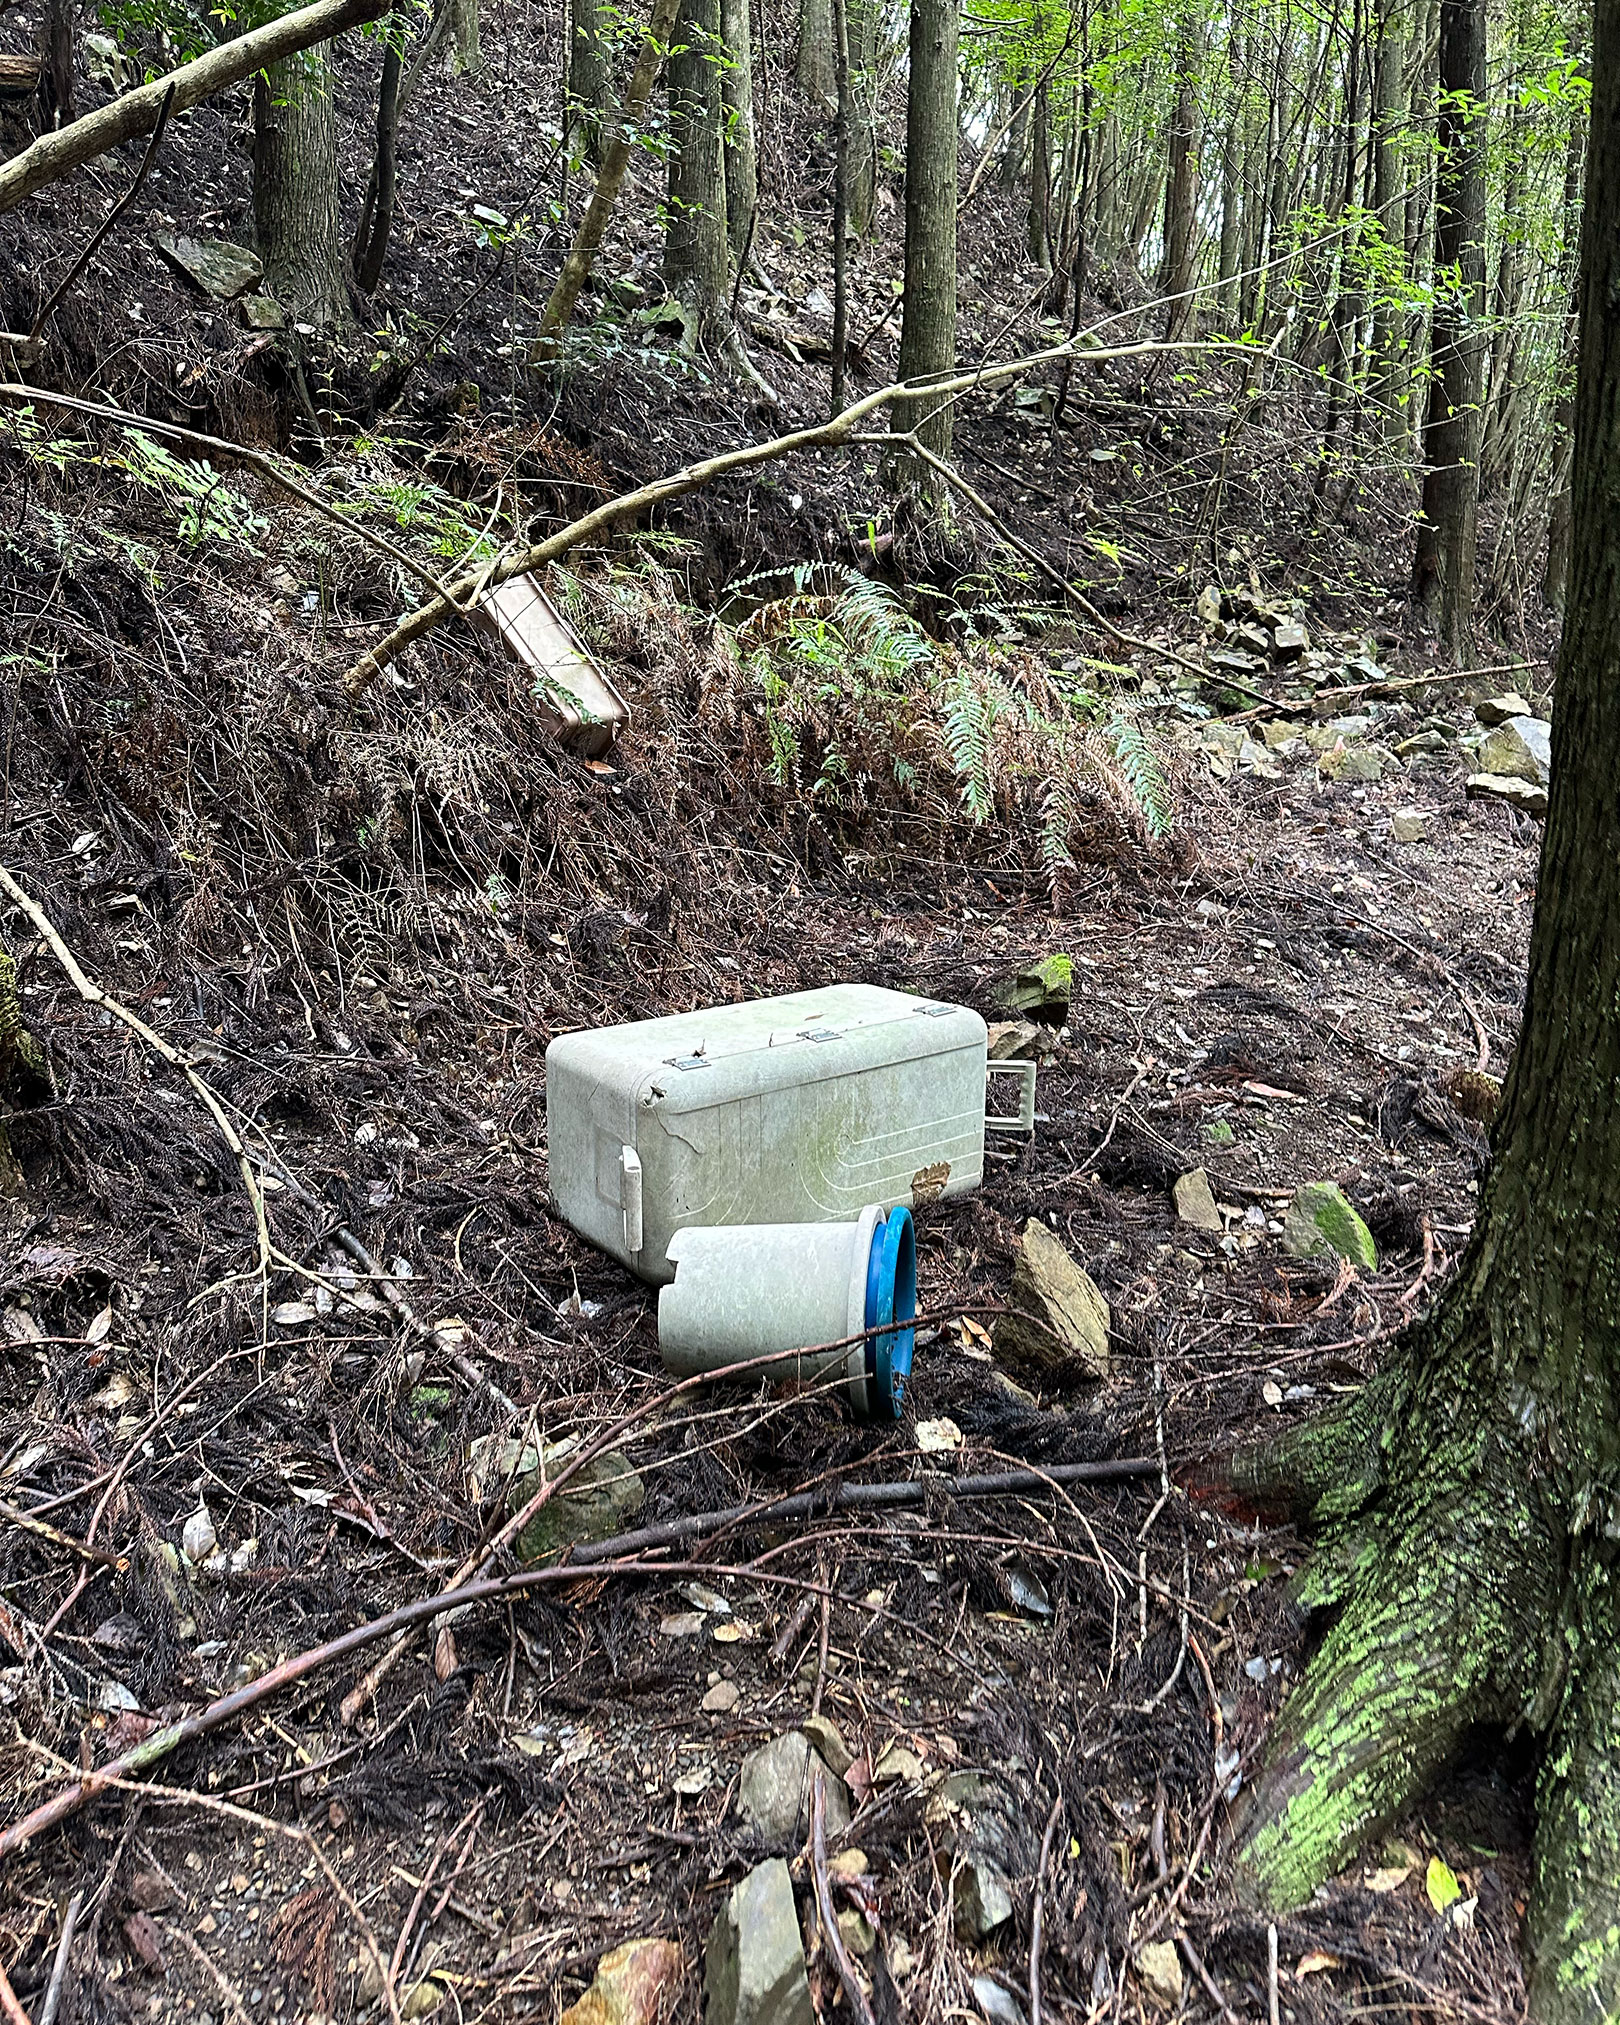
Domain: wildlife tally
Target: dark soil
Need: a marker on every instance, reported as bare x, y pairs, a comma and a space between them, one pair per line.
364, 927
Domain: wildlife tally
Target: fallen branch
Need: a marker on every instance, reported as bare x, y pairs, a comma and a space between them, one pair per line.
854, 1995
198, 444
864, 1498
57, 154
835, 434
92, 994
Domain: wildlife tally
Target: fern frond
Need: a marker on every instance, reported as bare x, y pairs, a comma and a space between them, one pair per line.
1143, 776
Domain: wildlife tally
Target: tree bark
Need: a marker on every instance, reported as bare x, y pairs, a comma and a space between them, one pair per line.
861, 24
742, 160
370, 245
928, 322
590, 83
1555, 576
1181, 192
1040, 178
469, 48
1468, 1495
814, 67
1443, 568
295, 188
1388, 375
615, 160
696, 268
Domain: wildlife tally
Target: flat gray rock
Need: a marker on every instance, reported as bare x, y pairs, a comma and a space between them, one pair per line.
774, 1791
219, 267
1528, 795
1521, 748
753, 1971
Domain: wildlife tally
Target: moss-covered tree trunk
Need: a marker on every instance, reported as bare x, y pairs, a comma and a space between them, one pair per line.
697, 271
1470, 1498
295, 188
742, 160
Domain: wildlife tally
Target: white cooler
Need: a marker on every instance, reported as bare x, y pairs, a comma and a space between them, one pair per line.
803, 1109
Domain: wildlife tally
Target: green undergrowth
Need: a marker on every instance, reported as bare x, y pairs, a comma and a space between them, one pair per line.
861, 710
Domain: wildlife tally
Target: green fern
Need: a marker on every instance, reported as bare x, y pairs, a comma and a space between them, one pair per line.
968, 712
1143, 776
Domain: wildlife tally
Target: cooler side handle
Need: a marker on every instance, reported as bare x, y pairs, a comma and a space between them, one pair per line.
630, 1196
1025, 1120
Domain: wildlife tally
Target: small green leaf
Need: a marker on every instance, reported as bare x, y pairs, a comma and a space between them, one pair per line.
1441, 1885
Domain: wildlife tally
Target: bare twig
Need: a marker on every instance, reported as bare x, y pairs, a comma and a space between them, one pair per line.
92, 994
10, 2009
53, 1989
854, 1995
111, 218
1037, 1912
1273, 2007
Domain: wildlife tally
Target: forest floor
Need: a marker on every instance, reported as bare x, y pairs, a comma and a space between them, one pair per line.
365, 927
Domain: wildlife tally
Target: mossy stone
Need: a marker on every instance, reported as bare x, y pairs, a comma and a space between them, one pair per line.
1322, 1222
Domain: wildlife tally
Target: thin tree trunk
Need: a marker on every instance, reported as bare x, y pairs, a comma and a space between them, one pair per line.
1555, 576
1181, 191
928, 322
696, 269
1389, 377
861, 26
1443, 568
814, 68
370, 244
295, 188
469, 48
615, 160
590, 78
737, 89
1040, 177
842, 172
57, 49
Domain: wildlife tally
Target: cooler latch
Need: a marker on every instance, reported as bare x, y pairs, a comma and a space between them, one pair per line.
630, 1196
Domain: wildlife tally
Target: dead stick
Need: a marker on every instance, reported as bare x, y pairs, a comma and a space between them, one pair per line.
9, 2006
53, 1991
25, 1522
864, 1497
1195, 1962
1037, 1913
854, 1995
110, 220
691, 477
92, 994
162, 1743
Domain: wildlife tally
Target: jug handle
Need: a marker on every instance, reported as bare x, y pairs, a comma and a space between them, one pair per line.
1025, 1120
630, 1196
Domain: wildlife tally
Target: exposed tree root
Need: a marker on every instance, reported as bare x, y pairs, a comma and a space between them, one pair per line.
1466, 1594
